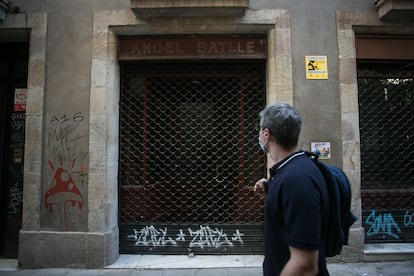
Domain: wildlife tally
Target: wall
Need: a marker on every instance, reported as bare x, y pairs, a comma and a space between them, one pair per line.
314, 33
72, 109
57, 231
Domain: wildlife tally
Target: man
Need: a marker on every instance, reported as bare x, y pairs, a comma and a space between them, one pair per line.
296, 198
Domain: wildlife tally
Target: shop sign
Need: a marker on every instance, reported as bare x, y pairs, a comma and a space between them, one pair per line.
203, 47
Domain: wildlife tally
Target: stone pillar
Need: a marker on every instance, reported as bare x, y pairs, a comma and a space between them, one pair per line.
350, 125
66, 224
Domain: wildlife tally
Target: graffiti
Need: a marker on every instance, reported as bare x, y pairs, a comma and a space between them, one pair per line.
382, 224
65, 132
67, 163
203, 237
237, 236
63, 191
76, 118
15, 200
409, 218
18, 121
149, 235
181, 236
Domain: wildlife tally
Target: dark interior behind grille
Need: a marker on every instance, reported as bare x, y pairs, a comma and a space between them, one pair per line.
188, 145
386, 108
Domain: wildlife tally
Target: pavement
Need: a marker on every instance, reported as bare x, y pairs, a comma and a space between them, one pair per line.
227, 265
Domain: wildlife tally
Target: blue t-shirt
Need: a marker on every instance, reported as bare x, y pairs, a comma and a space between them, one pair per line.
296, 211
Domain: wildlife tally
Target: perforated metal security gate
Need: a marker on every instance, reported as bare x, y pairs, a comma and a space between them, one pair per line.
386, 108
189, 157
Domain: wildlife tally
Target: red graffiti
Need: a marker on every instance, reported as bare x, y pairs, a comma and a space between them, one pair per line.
63, 191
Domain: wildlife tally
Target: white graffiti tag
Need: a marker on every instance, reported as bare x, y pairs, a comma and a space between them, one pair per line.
180, 236
149, 235
205, 236
237, 236
15, 199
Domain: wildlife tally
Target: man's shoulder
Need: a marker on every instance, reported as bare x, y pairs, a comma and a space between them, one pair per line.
308, 164
302, 165
303, 171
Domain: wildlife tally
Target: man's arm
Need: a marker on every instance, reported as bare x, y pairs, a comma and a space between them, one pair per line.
301, 262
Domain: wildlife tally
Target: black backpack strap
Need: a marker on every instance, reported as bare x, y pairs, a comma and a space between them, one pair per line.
312, 155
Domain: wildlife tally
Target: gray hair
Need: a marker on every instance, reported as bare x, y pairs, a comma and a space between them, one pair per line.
283, 122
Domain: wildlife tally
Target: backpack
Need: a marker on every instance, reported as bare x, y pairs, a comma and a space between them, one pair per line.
340, 217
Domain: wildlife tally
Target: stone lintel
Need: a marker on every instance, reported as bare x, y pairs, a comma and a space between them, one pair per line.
189, 8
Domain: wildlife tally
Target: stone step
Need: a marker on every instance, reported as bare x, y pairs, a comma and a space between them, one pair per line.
388, 252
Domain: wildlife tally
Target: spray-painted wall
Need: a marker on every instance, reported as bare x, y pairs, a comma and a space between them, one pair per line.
71, 148
64, 189
68, 82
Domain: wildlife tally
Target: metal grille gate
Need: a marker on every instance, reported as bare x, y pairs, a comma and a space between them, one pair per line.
386, 108
189, 157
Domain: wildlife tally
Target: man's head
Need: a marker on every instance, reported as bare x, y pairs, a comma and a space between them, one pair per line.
283, 122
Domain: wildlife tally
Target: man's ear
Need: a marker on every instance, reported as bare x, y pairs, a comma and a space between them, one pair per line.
266, 133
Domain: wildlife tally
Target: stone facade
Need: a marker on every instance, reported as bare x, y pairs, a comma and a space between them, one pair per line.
60, 85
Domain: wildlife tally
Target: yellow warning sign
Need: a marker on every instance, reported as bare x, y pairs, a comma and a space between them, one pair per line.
316, 67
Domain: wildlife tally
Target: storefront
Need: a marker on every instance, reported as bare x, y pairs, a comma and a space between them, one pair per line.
139, 124
187, 144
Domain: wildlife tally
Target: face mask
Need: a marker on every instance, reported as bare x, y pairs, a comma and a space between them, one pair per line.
261, 145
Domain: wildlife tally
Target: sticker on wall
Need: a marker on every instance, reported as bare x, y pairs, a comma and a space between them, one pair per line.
316, 67
323, 149
20, 95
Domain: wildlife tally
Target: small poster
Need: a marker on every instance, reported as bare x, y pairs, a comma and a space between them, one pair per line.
316, 67
20, 95
323, 149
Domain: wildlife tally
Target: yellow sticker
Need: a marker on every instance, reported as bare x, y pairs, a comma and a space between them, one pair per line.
316, 67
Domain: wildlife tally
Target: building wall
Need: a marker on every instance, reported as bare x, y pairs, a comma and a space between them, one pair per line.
72, 115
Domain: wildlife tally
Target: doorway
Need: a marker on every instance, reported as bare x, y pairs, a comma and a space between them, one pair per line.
13, 84
385, 70
386, 108
189, 157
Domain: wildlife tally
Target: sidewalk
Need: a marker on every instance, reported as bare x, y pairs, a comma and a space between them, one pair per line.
240, 265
